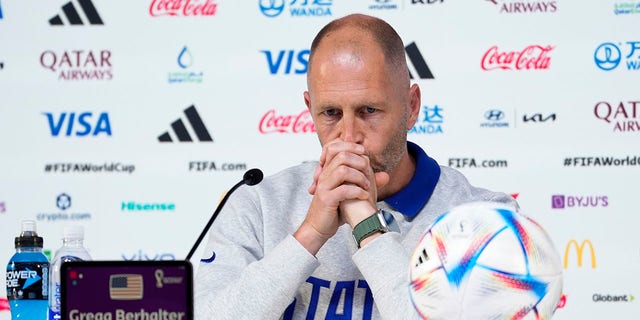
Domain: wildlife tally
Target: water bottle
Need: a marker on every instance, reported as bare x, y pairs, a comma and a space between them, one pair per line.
72, 250
28, 276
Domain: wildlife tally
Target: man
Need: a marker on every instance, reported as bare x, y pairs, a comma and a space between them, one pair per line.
282, 251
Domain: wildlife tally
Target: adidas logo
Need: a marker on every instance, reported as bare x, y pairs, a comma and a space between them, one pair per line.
73, 17
180, 129
417, 60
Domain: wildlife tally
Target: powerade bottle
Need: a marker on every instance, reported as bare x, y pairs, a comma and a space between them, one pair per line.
28, 276
72, 250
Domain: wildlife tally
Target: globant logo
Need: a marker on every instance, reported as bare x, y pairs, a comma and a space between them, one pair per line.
628, 7
271, 122
431, 122
494, 119
185, 61
147, 207
180, 8
533, 57
608, 56
612, 298
63, 203
78, 124
527, 6
302, 8
78, 65
563, 202
622, 115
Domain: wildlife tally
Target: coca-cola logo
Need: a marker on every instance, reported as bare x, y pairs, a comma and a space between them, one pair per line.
532, 57
4, 304
184, 8
300, 123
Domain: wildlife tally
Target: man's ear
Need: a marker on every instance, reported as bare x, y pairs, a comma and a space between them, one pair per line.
414, 105
307, 100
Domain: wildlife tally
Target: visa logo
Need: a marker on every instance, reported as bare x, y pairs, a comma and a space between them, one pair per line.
78, 124
286, 61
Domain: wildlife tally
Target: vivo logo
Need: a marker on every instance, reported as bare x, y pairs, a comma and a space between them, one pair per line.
78, 124
142, 256
286, 61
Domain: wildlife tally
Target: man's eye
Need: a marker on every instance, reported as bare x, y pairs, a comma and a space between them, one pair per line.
369, 110
331, 112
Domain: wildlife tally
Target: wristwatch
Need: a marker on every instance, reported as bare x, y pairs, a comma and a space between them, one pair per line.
369, 226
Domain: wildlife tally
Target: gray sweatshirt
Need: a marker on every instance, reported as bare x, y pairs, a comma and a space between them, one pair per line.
255, 269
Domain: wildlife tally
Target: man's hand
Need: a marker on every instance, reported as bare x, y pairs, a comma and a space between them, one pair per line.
344, 189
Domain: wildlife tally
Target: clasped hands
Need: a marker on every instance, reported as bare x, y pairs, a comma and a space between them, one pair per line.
344, 188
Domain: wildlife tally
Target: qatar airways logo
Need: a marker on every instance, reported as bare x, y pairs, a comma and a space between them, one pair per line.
533, 57
78, 65
623, 115
525, 6
182, 8
271, 122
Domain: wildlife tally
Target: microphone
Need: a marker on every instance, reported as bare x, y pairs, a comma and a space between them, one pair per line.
250, 178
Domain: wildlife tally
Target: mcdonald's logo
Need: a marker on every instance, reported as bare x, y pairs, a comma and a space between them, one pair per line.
579, 252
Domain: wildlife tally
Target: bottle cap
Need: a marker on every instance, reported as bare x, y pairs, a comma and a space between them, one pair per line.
73, 232
28, 236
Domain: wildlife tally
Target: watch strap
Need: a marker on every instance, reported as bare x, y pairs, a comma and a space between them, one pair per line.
369, 226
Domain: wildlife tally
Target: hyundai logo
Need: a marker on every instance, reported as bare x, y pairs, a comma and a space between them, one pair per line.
494, 115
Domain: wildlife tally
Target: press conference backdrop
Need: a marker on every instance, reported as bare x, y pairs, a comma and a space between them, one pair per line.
132, 118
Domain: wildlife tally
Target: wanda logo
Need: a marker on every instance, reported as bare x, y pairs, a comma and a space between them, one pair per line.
300, 123
532, 57
182, 8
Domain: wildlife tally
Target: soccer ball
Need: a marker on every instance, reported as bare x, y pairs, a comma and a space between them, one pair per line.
484, 260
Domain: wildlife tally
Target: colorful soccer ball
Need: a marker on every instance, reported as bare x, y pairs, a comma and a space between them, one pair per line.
485, 260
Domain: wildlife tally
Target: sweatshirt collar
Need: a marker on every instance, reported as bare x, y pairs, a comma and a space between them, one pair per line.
415, 195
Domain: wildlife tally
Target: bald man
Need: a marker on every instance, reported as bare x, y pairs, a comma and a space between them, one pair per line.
341, 248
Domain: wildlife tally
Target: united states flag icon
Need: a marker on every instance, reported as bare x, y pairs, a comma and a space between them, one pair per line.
125, 287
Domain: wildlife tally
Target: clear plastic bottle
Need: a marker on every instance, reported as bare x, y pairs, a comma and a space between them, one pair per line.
72, 250
28, 276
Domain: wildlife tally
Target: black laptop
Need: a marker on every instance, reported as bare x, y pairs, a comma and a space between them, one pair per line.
126, 290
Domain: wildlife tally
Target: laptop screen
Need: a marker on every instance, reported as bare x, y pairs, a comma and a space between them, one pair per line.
126, 290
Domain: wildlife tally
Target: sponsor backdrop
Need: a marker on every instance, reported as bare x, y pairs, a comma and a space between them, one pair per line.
132, 118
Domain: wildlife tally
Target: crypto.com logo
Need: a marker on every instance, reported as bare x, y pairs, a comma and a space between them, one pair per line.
579, 252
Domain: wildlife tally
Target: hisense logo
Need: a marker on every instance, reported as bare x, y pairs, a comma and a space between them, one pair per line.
147, 206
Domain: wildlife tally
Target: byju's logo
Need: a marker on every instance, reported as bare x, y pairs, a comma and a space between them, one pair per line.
77, 65
180, 130
185, 61
72, 15
297, 8
563, 202
431, 122
608, 55
624, 116
63, 201
527, 6
538, 117
283, 61
179, 8
78, 124
418, 62
532, 57
495, 118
